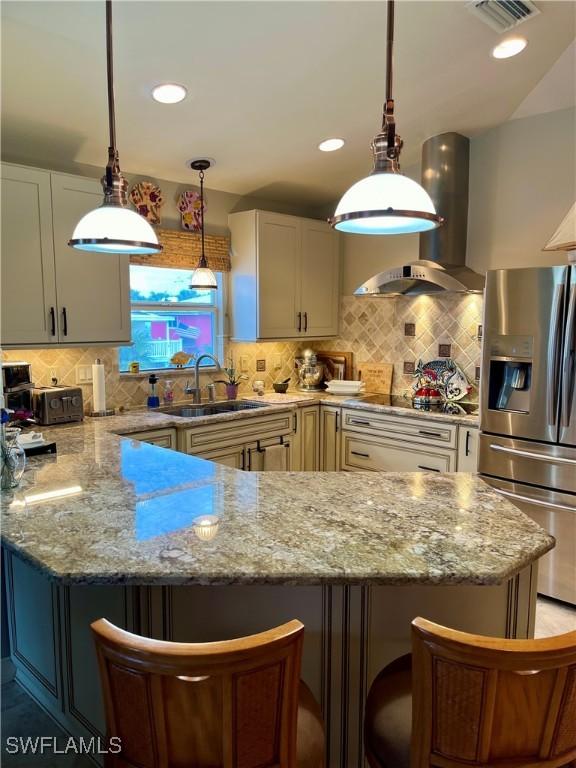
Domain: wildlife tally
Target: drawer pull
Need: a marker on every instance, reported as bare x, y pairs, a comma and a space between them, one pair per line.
428, 469
362, 455
363, 422
429, 434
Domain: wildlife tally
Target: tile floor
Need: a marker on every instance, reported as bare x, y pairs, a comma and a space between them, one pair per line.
21, 716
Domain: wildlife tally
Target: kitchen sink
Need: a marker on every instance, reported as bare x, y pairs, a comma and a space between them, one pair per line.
210, 409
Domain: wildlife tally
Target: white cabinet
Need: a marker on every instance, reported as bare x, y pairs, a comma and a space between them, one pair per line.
93, 288
377, 441
28, 277
467, 449
165, 438
329, 438
306, 439
238, 444
51, 293
373, 453
285, 277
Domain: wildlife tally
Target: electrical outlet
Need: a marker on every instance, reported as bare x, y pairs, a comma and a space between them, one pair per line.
409, 368
444, 350
260, 365
83, 374
277, 362
244, 364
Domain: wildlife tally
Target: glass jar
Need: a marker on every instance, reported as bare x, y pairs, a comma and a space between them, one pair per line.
12, 458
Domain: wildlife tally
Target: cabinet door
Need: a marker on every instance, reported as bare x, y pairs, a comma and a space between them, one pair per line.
319, 279
467, 449
391, 456
165, 438
231, 456
93, 288
329, 439
278, 251
28, 282
309, 418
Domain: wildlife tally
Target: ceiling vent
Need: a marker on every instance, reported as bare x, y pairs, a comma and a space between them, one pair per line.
503, 15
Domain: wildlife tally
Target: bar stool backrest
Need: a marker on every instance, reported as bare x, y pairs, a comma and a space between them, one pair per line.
232, 704
482, 701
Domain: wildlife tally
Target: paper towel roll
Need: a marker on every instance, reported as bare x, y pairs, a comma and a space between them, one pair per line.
98, 387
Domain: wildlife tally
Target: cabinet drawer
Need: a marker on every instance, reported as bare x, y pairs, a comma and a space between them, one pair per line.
208, 437
419, 430
166, 438
393, 456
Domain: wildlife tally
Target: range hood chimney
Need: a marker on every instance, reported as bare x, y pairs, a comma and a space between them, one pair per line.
441, 266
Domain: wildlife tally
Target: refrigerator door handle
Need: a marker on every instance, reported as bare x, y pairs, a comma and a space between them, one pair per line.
568, 363
537, 502
554, 355
532, 455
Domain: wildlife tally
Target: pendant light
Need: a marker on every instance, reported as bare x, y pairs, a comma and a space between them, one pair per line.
202, 277
386, 202
114, 227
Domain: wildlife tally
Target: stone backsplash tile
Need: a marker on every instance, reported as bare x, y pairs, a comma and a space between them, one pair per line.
373, 329
130, 391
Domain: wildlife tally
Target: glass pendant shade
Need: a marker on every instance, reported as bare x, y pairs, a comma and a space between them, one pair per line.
203, 277
114, 229
385, 204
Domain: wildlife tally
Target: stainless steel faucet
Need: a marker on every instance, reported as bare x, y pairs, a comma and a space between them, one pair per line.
196, 391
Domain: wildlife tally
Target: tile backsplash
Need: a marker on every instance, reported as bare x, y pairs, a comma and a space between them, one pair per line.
130, 391
374, 329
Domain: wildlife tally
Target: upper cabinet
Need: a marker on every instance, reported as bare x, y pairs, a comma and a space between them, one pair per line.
93, 289
28, 279
285, 277
51, 293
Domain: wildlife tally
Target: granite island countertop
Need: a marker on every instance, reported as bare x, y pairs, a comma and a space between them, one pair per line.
113, 510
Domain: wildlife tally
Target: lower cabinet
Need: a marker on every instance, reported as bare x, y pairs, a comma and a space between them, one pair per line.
165, 438
231, 456
329, 438
372, 453
467, 449
33, 605
306, 440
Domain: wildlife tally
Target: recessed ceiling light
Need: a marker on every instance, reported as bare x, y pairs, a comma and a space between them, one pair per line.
331, 145
169, 93
509, 47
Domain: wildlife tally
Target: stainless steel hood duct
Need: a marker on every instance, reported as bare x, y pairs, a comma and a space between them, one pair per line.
441, 266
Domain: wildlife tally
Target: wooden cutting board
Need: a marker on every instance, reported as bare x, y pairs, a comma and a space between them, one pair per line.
377, 377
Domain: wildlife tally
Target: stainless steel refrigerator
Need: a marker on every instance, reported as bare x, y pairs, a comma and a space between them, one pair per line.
528, 407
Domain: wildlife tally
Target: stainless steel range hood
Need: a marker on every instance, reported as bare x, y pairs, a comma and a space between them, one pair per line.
441, 266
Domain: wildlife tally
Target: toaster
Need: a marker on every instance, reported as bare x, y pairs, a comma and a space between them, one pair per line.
57, 405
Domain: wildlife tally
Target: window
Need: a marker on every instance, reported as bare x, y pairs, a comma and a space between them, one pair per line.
168, 317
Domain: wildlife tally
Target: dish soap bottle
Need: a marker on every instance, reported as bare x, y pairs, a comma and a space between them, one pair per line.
168, 395
153, 399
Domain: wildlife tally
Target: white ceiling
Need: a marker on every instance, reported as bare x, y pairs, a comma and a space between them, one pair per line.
267, 81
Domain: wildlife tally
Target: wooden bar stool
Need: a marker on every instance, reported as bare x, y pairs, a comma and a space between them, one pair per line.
467, 700
238, 703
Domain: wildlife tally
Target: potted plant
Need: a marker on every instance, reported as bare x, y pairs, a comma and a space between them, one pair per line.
232, 380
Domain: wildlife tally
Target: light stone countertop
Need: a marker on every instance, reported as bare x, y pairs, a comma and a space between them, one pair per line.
366, 402
112, 510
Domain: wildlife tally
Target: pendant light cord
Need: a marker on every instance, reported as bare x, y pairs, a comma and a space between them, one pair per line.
393, 142
389, 49
113, 166
203, 256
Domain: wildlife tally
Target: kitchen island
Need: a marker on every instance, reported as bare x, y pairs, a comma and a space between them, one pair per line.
173, 546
